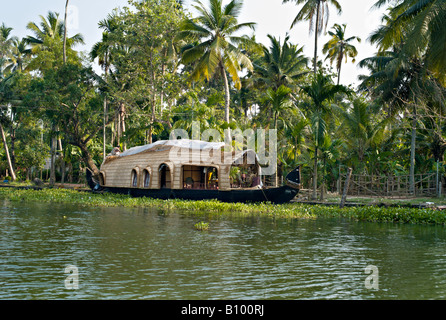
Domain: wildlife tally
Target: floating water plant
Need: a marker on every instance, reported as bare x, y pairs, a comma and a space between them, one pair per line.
202, 226
213, 207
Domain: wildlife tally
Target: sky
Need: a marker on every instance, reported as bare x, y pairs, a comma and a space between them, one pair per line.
271, 17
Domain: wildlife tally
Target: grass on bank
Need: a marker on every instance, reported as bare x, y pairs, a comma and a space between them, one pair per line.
289, 210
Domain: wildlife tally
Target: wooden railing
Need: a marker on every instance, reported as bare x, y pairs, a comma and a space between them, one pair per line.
200, 186
371, 185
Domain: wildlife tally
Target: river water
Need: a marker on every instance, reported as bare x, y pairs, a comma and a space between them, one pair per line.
121, 253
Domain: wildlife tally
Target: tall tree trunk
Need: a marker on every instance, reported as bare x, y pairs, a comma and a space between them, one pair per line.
13, 138
152, 119
412, 152
276, 180
118, 129
65, 34
53, 175
8, 158
339, 63
316, 35
62, 179
339, 74
53, 160
324, 162
88, 159
104, 133
122, 117
314, 197
227, 101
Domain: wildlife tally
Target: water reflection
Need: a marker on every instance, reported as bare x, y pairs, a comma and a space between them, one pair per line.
145, 254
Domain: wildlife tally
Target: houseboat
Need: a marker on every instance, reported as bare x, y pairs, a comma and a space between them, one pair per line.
191, 170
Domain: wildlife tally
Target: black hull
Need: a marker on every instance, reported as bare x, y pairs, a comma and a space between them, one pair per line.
274, 195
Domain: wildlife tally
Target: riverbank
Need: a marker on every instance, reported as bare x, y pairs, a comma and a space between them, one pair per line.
289, 210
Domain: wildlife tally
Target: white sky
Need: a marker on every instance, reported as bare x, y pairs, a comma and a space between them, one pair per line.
272, 17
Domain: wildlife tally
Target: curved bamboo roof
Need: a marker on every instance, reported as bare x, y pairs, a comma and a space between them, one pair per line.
183, 143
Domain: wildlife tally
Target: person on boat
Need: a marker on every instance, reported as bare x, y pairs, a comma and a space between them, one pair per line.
116, 152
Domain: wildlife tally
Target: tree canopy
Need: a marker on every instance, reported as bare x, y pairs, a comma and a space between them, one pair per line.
166, 68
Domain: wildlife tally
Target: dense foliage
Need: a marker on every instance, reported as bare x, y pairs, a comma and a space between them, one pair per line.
164, 68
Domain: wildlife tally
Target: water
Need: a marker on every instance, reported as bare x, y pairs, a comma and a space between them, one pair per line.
145, 254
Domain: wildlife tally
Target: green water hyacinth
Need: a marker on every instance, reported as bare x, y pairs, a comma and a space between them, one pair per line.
213, 207
202, 226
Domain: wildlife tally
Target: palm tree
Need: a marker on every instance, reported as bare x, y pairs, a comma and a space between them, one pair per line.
216, 48
330, 152
294, 134
5, 42
277, 101
50, 27
50, 36
419, 24
102, 51
320, 92
4, 120
281, 64
65, 33
361, 131
403, 86
338, 47
18, 57
317, 13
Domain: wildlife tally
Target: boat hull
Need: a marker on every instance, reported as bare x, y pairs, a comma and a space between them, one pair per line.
274, 195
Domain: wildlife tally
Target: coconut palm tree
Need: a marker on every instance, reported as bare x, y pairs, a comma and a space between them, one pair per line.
18, 57
52, 27
281, 64
419, 24
4, 119
360, 129
321, 91
65, 33
215, 50
404, 86
5, 43
339, 48
277, 101
317, 13
102, 49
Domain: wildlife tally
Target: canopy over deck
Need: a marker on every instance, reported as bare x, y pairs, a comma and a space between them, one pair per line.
183, 143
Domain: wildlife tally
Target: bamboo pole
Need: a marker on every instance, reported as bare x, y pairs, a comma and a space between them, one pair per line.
347, 182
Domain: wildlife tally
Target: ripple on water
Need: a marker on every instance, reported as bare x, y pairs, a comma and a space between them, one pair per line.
138, 254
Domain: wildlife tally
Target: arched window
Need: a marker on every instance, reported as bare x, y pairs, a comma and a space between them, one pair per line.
134, 179
146, 179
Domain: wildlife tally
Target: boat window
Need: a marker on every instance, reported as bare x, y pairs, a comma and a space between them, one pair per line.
134, 179
199, 177
146, 179
244, 174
